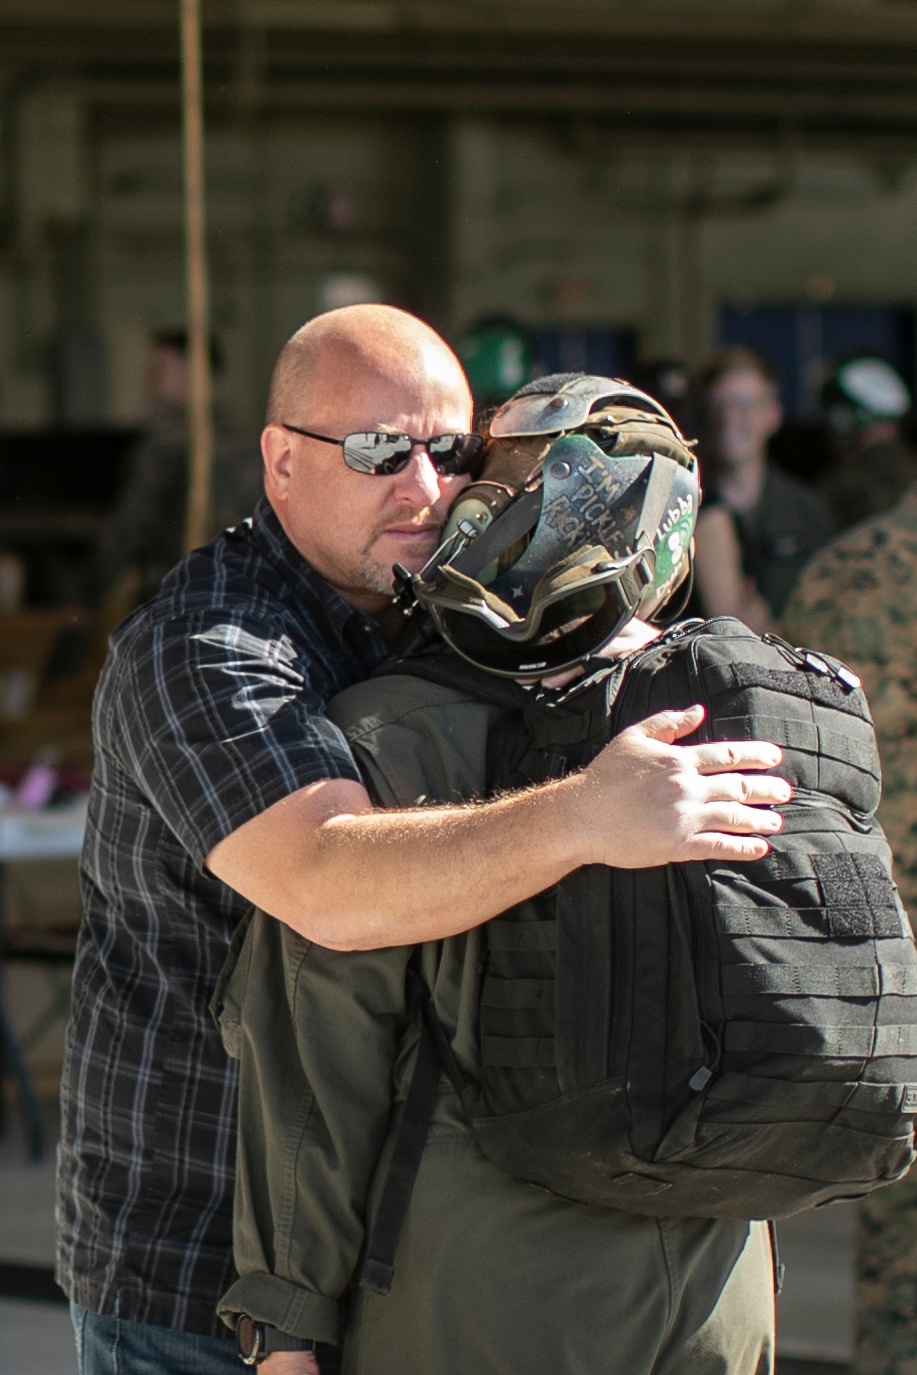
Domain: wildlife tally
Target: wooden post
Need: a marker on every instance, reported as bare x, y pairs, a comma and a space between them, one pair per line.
200, 415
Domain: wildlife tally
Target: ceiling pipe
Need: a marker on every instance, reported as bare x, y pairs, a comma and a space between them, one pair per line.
200, 411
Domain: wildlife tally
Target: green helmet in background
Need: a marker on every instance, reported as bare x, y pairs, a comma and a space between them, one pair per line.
497, 356
861, 390
582, 518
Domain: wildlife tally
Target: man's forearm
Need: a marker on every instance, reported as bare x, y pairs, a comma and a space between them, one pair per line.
350, 877
400, 878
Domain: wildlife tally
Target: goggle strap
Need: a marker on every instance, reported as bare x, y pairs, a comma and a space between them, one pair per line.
515, 520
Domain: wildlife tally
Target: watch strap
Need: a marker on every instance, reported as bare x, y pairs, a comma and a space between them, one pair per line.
257, 1340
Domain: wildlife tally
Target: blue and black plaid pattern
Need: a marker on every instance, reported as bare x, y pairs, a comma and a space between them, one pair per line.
210, 708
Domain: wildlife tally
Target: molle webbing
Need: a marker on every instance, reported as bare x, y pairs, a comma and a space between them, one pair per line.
828, 923
776, 999
832, 1042
791, 893
814, 1096
785, 683
536, 994
813, 980
706, 1039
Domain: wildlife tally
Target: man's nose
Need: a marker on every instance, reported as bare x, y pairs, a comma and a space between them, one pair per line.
419, 479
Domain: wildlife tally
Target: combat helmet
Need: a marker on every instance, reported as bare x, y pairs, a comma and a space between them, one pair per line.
582, 518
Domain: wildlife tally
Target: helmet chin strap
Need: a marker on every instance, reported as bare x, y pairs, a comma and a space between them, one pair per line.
517, 519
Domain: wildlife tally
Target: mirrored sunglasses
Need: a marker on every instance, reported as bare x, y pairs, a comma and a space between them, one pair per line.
380, 454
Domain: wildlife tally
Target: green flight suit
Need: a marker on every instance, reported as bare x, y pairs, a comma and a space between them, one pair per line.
492, 1275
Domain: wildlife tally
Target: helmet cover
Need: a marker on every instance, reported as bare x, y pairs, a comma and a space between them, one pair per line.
568, 533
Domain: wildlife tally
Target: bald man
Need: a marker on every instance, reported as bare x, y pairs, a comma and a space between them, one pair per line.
219, 783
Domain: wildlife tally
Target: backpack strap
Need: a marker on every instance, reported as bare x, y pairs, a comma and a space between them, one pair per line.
434, 1054
438, 665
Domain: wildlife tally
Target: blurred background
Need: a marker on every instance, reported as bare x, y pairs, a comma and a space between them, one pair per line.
620, 186
623, 179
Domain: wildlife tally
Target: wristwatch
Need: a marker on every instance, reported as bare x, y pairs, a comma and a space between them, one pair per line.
255, 1341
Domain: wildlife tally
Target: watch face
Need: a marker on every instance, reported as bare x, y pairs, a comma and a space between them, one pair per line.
247, 1339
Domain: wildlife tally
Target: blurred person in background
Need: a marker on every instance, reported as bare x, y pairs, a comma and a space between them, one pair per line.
144, 535
759, 526
857, 599
865, 401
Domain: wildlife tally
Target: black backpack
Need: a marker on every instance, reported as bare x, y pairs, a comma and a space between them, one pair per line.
703, 1039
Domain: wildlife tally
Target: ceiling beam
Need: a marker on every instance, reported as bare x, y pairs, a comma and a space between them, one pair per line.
804, 22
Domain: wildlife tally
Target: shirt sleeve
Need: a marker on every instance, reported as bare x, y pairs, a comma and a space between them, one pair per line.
218, 719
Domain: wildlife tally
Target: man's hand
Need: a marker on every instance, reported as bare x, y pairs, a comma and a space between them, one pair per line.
652, 801
290, 1363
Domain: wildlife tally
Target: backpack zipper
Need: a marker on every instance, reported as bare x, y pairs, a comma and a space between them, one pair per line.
807, 797
679, 888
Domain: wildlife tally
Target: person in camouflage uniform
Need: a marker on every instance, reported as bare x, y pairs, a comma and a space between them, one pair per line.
857, 599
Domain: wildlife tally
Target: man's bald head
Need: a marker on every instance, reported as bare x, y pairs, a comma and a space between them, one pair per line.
330, 358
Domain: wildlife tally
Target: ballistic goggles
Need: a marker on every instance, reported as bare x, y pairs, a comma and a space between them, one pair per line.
382, 454
578, 605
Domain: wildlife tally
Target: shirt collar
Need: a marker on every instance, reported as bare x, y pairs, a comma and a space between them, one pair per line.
343, 618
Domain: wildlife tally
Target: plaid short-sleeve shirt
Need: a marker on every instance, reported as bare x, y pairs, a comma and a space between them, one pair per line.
210, 709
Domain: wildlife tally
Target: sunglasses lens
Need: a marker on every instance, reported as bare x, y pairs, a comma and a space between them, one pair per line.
455, 453
373, 452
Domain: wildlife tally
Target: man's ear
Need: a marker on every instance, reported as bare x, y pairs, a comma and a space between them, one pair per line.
278, 455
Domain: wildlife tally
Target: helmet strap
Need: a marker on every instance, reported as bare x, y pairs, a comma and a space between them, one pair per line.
516, 520
675, 606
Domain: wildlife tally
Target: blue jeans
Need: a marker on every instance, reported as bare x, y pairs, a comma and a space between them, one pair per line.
110, 1346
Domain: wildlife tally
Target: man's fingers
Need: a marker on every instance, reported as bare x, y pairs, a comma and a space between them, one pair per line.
670, 726
713, 845
754, 789
716, 756
737, 819
722, 756
696, 801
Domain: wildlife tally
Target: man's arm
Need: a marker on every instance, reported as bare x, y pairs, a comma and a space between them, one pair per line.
351, 878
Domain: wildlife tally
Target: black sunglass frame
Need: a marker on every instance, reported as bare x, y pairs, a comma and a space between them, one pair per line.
451, 464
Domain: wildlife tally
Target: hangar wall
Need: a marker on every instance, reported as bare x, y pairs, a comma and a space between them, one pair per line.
612, 165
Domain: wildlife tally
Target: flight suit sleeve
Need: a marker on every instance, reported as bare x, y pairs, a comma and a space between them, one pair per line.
322, 1036
317, 1034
